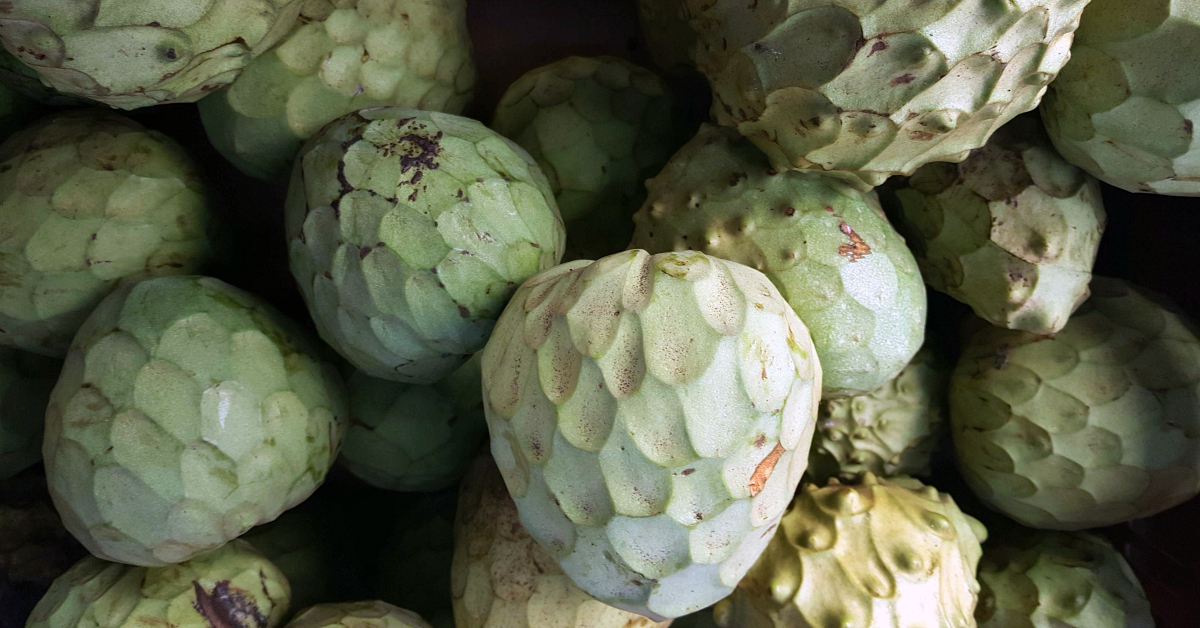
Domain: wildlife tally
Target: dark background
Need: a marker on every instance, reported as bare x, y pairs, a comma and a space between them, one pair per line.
1150, 240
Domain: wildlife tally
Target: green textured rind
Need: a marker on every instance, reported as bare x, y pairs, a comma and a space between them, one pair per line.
293, 542
502, 577
865, 90
1124, 106
827, 247
651, 416
598, 127
668, 35
1012, 231
1058, 580
233, 587
188, 411
26, 82
409, 231
346, 55
880, 553
26, 380
890, 431
414, 562
1096, 425
373, 614
89, 200
135, 54
405, 437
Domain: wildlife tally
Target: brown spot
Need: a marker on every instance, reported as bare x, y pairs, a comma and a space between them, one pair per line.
857, 248
1000, 360
879, 46
758, 481
1187, 126
789, 211
225, 607
737, 176
760, 441
687, 472
903, 79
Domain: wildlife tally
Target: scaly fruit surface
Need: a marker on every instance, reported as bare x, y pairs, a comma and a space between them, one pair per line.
1033, 579
827, 247
414, 562
1096, 425
372, 614
409, 231
502, 577
26, 380
879, 553
188, 411
346, 55
294, 544
89, 200
1012, 231
1123, 107
406, 437
598, 127
651, 416
134, 54
865, 90
232, 587
668, 34
890, 431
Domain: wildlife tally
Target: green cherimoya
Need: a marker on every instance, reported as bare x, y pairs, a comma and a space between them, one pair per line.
1032, 579
827, 247
879, 553
231, 587
26, 380
1123, 107
89, 200
187, 412
598, 127
294, 543
651, 415
409, 231
1012, 231
502, 577
890, 431
346, 55
133, 54
408, 437
1093, 426
367, 614
668, 35
866, 90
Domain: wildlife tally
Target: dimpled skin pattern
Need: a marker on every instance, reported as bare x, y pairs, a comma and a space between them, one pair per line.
232, 587
827, 247
346, 55
502, 577
878, 554
1012, 231
404, 437
26, 380
868, 89
651, 416
1124, 106
367, 614
134, 54
1058, 580
409, 231
889, 431
1097, 425
187, 412
88, 200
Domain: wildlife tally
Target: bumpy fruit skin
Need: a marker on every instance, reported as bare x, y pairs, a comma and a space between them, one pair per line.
668, 34
651, 416
1058, 580
1012, 231
890, 431
26, 380
866, 90
233, 586
373, 614
414, 563
1123, 107
135, 54
346, 55
827, 247
880, 553
294, 544
409, 231
405, 437
502, 577
1096, 425
598, 127
187, 412
89, 200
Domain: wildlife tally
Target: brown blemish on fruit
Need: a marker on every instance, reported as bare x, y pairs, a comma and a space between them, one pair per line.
225, 607
857, 248
758, 481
